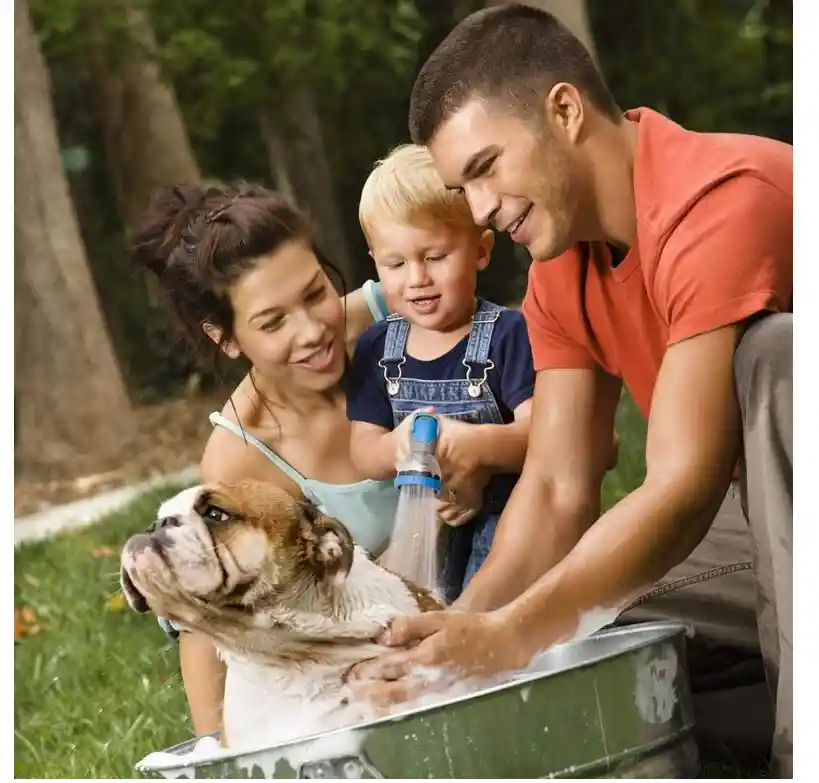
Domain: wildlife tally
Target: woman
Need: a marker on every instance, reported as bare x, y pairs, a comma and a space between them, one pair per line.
242, 276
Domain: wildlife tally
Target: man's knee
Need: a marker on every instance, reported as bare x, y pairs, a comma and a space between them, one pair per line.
766, 349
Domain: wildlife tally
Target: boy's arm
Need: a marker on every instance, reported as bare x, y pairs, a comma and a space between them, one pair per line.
372, 449
498, 448
372, 445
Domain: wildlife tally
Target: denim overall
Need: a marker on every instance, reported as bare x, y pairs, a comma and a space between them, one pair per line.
468, 399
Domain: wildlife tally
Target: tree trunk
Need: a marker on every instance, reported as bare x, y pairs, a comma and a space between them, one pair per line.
298, 163
70, 400
573, 13
146, 141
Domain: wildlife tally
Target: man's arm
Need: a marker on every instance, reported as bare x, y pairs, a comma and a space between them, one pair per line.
558, 495
693, 444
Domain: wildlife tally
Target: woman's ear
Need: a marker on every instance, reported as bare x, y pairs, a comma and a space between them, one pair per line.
487, 242
229, 348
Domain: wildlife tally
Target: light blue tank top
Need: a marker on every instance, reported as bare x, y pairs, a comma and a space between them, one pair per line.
366, 508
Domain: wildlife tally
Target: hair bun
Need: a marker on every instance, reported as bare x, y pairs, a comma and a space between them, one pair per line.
171, 212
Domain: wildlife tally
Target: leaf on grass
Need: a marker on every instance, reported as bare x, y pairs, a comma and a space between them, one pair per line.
25, 623
103, 551
116, 603
32, 580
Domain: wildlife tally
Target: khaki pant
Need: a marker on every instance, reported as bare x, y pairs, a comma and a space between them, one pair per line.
736, 589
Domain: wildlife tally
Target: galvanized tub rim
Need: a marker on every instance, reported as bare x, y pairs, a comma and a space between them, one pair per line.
657, 631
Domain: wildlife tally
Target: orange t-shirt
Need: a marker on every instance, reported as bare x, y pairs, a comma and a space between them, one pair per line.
714, 246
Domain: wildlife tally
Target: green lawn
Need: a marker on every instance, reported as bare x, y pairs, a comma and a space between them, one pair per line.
97, 687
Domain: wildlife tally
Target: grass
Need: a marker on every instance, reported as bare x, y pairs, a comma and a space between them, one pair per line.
98, 687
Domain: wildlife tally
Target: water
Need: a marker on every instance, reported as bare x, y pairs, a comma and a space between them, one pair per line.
413, 549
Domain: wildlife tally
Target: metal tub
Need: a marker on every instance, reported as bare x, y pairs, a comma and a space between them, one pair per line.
615, 705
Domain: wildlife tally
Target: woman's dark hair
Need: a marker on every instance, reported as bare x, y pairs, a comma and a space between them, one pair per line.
197, 240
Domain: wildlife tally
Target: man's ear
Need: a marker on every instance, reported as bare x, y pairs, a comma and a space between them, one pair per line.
566, 111
229, 348
487, 242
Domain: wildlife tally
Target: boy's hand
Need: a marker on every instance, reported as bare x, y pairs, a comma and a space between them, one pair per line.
401, 436
458, 454
458, 504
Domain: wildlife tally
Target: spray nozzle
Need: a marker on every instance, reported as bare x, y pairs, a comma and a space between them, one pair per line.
421, 469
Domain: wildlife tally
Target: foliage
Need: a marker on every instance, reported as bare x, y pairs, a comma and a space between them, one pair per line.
245, 55
711, 66
702, 63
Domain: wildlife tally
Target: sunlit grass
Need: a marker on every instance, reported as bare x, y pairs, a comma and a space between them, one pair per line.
97, 687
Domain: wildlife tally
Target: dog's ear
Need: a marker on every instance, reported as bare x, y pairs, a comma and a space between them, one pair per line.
329, 549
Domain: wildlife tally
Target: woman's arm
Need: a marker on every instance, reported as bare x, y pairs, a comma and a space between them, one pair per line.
359, 306
203, 675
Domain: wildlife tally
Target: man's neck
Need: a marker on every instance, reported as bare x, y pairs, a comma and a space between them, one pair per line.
611, 152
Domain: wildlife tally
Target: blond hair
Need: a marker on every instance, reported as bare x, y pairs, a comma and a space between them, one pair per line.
405, 187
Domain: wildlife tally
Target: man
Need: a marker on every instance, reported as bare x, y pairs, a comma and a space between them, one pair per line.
663, 259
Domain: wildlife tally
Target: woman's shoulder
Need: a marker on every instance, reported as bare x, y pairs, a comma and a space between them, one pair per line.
228, 457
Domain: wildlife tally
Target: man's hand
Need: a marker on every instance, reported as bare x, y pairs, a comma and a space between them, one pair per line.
443, 647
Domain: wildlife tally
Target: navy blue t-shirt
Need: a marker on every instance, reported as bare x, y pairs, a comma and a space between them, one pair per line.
511, 380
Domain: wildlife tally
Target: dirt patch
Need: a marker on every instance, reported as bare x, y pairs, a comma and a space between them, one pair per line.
171, 437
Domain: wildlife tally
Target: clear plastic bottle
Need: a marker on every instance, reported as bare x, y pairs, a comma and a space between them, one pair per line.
413, 549
420, 467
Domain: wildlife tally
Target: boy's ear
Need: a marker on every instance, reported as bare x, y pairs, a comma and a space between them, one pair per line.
230, 349
487, 242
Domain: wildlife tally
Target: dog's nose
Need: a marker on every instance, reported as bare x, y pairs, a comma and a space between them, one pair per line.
164, 522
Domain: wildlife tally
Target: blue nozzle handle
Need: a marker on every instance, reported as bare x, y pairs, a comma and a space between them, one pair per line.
425, 427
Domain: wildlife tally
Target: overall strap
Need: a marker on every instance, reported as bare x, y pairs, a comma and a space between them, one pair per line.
476, 358
218, 420
394, 346
396, 341
480, 336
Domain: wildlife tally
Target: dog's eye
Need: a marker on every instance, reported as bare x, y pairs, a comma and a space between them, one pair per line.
215, 513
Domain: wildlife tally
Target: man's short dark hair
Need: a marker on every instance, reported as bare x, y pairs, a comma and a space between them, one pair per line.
512, 53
